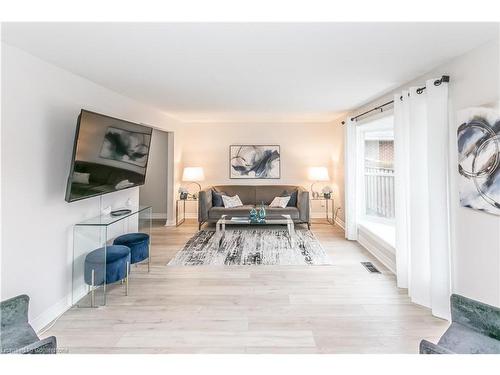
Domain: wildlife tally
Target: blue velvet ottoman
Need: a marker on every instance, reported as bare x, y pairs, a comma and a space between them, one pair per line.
138, 244
116, 267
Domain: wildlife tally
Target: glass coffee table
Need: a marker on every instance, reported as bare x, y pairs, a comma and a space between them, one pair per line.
220, 227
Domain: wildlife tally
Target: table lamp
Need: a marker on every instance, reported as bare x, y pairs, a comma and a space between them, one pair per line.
318, 174
193, 175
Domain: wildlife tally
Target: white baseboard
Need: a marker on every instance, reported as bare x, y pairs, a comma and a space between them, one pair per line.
170, 223
51, 313
340, 223
384, 252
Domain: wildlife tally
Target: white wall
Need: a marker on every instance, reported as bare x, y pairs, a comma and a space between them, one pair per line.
475, 236
302, 145
40, 105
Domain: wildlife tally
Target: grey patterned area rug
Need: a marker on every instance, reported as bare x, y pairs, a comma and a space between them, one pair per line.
251, 247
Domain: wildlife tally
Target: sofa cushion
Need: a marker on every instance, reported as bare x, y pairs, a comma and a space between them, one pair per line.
266, 193
246, 193
292, 211
217, 212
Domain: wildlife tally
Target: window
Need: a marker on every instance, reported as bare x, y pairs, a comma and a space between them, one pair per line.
376, 170
379, 174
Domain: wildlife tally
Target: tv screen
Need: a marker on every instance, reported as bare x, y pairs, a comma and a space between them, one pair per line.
109, 154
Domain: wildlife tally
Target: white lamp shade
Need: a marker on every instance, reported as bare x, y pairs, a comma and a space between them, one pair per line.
318, 174
193, 174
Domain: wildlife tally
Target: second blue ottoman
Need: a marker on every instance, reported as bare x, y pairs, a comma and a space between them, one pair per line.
138, 244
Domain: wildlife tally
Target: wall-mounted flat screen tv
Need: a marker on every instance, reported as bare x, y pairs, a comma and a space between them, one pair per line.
109, 154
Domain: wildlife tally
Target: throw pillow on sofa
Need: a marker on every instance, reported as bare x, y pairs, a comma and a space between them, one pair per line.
280, 202
231, 202
217, 198
293, 197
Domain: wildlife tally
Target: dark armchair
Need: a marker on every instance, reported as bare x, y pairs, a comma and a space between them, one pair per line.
16, 334
474, 329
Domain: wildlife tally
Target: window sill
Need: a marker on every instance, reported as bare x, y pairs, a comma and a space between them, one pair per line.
379, 240
383, 232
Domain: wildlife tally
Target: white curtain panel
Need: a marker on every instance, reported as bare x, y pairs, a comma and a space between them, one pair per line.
402, 185
421, 188
351, 228
439, 188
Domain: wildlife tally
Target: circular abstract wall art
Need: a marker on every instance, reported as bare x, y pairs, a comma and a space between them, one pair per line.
479, 163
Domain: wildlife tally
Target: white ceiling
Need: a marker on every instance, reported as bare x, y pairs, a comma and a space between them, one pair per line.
215, 72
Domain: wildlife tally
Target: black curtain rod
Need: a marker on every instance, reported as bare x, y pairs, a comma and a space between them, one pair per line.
420, 90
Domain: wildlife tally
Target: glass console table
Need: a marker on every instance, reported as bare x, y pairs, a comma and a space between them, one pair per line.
96, 233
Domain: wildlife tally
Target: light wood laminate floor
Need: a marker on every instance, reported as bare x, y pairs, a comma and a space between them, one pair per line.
252, 309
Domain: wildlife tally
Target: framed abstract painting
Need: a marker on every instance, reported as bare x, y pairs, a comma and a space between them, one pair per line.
254, 162
478, 138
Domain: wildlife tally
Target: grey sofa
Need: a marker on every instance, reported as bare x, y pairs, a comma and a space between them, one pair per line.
16, 334
253, 196
474, 329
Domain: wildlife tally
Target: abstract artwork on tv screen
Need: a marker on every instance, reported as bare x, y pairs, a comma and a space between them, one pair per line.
478, 139
254, 161
126, 146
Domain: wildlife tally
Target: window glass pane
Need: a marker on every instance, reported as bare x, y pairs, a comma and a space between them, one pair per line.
379, 173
